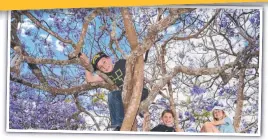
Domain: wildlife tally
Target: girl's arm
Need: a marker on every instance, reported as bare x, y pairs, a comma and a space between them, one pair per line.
220, 122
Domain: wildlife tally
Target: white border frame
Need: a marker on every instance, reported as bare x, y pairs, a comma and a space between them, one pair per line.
152, 133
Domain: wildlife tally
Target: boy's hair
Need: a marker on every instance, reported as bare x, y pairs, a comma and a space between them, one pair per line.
167, 111
96, 58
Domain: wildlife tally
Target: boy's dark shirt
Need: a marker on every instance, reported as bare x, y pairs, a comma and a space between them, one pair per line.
163, 128
118, 74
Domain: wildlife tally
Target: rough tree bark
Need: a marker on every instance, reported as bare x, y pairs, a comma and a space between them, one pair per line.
15, 41
146, 121
240, 99
134, 89
133, 82
170, 91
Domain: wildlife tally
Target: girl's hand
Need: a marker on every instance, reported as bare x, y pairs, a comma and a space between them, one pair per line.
179, 130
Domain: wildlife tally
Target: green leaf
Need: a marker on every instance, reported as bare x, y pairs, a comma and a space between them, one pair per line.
95, 99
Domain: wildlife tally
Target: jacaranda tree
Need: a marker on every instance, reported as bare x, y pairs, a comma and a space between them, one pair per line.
196, 58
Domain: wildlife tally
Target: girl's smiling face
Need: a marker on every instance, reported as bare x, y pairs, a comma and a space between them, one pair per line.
218, 114
168, 119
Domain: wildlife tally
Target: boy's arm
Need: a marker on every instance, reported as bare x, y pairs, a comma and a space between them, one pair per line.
90, 78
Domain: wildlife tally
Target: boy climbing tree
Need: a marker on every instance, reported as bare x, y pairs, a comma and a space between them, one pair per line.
116, 72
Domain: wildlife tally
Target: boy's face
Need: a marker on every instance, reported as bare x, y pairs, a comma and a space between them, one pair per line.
168, 119
105, 65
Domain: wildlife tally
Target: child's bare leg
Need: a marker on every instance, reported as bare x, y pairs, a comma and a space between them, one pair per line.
208, 127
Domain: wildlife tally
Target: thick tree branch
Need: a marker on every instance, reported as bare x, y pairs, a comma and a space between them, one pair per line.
16, 42
154, 29
135, 91
129, 27
66, 91
181, 69
132, 39
170, 91
32, 60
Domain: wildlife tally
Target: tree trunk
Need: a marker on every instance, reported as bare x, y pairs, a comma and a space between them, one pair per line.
146, 121
134, 80
133, 106
173, 107
171, 99
134, 126
239, 104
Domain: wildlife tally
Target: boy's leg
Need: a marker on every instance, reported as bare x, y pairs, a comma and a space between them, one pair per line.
116, 108
145, 93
